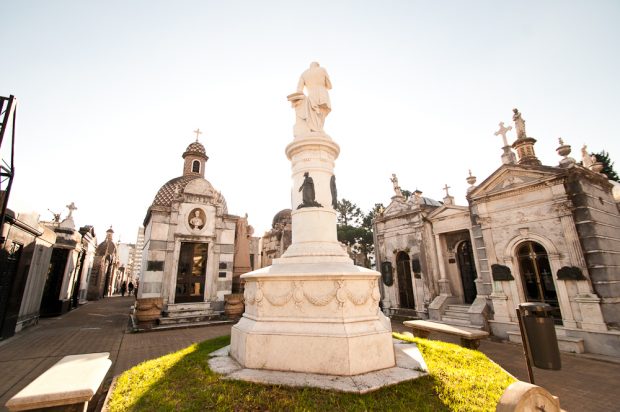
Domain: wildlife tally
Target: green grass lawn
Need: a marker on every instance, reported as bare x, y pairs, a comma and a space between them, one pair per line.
460, 380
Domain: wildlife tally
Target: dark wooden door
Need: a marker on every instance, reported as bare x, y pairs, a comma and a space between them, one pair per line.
467, 268
50, 304
536, 277
12, 282
405, 285
191, 272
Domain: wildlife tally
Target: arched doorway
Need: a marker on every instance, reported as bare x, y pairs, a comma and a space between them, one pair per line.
467, 268
405, 286
536, 276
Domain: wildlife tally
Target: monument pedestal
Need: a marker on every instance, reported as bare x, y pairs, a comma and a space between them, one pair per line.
313, 311
313, 317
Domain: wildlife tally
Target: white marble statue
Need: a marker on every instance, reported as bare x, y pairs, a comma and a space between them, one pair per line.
519, 124
311, 109
394, 180
586, 159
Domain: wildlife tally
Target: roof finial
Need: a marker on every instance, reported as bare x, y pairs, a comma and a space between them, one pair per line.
446, 187
448, 200
471, 180
198, 133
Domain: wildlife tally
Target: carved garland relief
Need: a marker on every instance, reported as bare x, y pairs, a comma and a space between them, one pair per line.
298, 295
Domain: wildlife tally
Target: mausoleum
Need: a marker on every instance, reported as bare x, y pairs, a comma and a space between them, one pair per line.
528, 233
189, 248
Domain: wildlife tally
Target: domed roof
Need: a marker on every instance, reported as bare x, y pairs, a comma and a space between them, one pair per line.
430, 202
282, 215
195, 148
107, 247
166, 194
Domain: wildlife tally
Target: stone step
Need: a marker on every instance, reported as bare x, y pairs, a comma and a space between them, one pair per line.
184, 313
166, 320
457, 314
187, 325
565, 343
180, 307
458, 308
456, 321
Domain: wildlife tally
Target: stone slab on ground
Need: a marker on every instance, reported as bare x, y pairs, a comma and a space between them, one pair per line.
409, 365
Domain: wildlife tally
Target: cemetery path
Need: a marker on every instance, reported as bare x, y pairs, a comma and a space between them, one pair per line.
583, 384
95, 327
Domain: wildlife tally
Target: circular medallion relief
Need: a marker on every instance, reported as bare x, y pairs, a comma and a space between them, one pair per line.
197, 219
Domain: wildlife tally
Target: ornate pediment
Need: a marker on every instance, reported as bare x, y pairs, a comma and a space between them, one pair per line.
396, 207
448, 211
512, 177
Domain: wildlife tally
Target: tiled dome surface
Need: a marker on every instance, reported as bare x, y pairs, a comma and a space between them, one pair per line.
165, 195
105, 247
195, 148
281, 216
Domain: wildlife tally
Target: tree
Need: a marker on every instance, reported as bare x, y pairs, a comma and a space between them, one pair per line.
406, 193
348, 213
355, 228
608, 165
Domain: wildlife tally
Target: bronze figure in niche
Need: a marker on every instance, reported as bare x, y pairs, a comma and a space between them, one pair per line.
332, 186
307, 191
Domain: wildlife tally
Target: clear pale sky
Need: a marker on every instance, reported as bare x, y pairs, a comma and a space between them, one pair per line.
110, 91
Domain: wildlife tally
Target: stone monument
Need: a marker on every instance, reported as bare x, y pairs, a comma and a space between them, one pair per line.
312, 310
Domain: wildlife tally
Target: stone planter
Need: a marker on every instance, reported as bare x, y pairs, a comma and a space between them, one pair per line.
148, 310
234, 306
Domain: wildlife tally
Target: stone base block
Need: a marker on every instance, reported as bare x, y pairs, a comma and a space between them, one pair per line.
343, 349
320, 317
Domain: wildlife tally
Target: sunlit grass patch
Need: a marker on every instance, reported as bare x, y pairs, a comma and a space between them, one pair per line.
182, 381
466, 379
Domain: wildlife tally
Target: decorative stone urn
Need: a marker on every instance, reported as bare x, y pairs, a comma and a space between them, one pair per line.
234, 306
148, 310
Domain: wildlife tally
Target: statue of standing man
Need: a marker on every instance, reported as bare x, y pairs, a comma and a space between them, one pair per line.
519, 124
311, 110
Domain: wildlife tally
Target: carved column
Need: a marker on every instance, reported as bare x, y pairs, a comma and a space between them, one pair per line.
444, 283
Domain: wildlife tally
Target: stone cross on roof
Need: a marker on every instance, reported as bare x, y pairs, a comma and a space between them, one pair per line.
446, 187
502, 131
71, 208
198, 133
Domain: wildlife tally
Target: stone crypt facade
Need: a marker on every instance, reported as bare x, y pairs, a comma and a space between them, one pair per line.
530, 232
189, 242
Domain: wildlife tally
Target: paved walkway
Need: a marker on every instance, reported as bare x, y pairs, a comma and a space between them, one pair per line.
583, 384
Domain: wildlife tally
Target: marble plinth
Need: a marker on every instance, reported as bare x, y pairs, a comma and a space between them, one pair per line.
314, 318
409, 365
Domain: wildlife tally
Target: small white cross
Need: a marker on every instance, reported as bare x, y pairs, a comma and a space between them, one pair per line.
71, 208
198, 133
503, 130
446, 187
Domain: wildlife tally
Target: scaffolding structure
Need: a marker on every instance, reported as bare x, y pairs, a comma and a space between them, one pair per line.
8, 109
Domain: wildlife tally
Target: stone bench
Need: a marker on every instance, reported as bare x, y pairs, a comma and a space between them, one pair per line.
470, 338
68, 385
